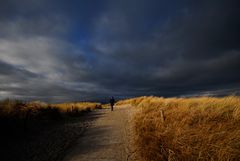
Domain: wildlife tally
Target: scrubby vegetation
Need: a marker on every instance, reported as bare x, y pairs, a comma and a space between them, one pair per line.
203, 128
19, 109
82, 106
39, 131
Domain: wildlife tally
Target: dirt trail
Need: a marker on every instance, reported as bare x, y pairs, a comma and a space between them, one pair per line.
108, 139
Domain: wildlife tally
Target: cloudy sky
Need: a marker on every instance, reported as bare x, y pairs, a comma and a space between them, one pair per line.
69, 50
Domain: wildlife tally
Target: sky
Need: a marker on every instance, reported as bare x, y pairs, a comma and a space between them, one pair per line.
74, 50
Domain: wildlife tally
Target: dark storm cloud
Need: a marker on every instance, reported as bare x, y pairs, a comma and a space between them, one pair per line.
59, 50
196, 48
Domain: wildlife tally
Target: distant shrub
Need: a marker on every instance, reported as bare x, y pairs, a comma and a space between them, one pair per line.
50, 112
98, 106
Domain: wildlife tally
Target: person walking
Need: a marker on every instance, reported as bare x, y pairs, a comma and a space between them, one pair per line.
112, 102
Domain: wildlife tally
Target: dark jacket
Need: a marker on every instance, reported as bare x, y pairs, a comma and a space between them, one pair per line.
112, 101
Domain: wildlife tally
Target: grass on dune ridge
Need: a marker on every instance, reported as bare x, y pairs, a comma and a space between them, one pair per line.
20, 109
203, 128
81, 106
39, 131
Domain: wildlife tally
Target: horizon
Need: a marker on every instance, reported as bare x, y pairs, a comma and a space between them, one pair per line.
64, 51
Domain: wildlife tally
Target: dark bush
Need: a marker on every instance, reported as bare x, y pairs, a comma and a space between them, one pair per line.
98, 106
49, 113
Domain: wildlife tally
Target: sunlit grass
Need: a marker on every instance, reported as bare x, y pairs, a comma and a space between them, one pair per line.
80, 106
203, 128
20, 109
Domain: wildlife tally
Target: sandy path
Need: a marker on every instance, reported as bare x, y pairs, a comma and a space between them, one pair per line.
106, 140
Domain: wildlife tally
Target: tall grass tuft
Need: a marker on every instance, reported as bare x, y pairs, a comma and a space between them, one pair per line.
186, 129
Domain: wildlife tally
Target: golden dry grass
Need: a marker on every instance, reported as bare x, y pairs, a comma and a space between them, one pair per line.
40, 131
15, 108
107, 105
187, 129
80, 106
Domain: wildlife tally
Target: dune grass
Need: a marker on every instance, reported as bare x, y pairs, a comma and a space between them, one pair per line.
18, 117
39, 131
19, 109
186, 129
78, 106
